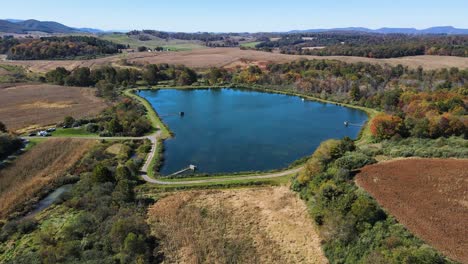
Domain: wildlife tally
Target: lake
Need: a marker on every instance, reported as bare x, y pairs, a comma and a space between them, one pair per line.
233, 130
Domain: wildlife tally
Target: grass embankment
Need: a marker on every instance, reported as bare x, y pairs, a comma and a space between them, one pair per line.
156, 122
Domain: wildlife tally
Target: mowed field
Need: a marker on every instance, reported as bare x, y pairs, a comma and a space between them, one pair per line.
36, 169
26, 107
428, 196
232, 57
261, 225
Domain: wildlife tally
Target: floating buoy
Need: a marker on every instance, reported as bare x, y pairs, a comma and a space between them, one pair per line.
181, 113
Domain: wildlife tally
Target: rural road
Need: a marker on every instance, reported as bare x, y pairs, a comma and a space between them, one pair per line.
154, 140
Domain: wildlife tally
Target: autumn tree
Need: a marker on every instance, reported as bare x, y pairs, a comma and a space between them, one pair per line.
385, 126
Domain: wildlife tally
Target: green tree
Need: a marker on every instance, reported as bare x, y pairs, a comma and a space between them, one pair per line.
355, 92
57, 76
114, 126
152, 75
68, 121
122, 173
102, 174
3, 127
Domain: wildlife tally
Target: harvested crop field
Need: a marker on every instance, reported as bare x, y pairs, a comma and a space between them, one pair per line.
27, 107
428, 196
37, 169
262, 225
232, 57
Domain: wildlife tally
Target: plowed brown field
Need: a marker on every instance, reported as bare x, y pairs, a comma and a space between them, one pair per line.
26, 107
428, 196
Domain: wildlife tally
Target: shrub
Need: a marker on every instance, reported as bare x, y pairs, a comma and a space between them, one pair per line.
354, 160
27, 226
102, 174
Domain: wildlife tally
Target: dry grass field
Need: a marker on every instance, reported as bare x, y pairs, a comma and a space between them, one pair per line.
27, 107
262, 225
428, 196
37, 168
231, 57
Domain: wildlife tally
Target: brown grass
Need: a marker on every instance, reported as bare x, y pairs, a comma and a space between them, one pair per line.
263, 225
37, 168
231, 57
428, 196
30, 106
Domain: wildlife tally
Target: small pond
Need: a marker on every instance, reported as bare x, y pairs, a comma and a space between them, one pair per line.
233, 130
49, 199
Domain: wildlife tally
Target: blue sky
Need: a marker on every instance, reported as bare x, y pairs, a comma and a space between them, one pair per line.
240, 15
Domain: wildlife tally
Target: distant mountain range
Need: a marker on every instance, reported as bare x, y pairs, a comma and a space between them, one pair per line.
449, 30
25, 26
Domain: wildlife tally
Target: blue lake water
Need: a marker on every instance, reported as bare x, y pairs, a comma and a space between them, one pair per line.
233, 130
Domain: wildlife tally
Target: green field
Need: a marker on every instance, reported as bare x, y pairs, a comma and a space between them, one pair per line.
72, 132
172, 44
250, 44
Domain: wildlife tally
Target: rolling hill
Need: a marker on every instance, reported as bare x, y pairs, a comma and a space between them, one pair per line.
449, 30
34, 25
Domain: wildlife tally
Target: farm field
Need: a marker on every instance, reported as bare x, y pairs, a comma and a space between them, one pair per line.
26, 107
262, 225
231, 58
428, 196
36, 169
172, 44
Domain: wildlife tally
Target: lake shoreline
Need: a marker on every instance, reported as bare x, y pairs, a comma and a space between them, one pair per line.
135, 92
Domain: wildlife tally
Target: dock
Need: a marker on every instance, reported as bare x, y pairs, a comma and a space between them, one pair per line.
190, 167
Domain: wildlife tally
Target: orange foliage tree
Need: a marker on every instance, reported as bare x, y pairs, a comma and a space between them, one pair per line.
385, 126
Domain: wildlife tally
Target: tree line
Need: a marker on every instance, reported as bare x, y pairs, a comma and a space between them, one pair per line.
107, 78
369, 45
69, 47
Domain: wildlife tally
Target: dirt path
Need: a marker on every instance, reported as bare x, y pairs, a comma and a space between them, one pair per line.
214, 180
154, 140
254, 225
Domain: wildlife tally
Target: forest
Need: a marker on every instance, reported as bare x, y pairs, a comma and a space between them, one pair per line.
106, 78
70, 47
369, 45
